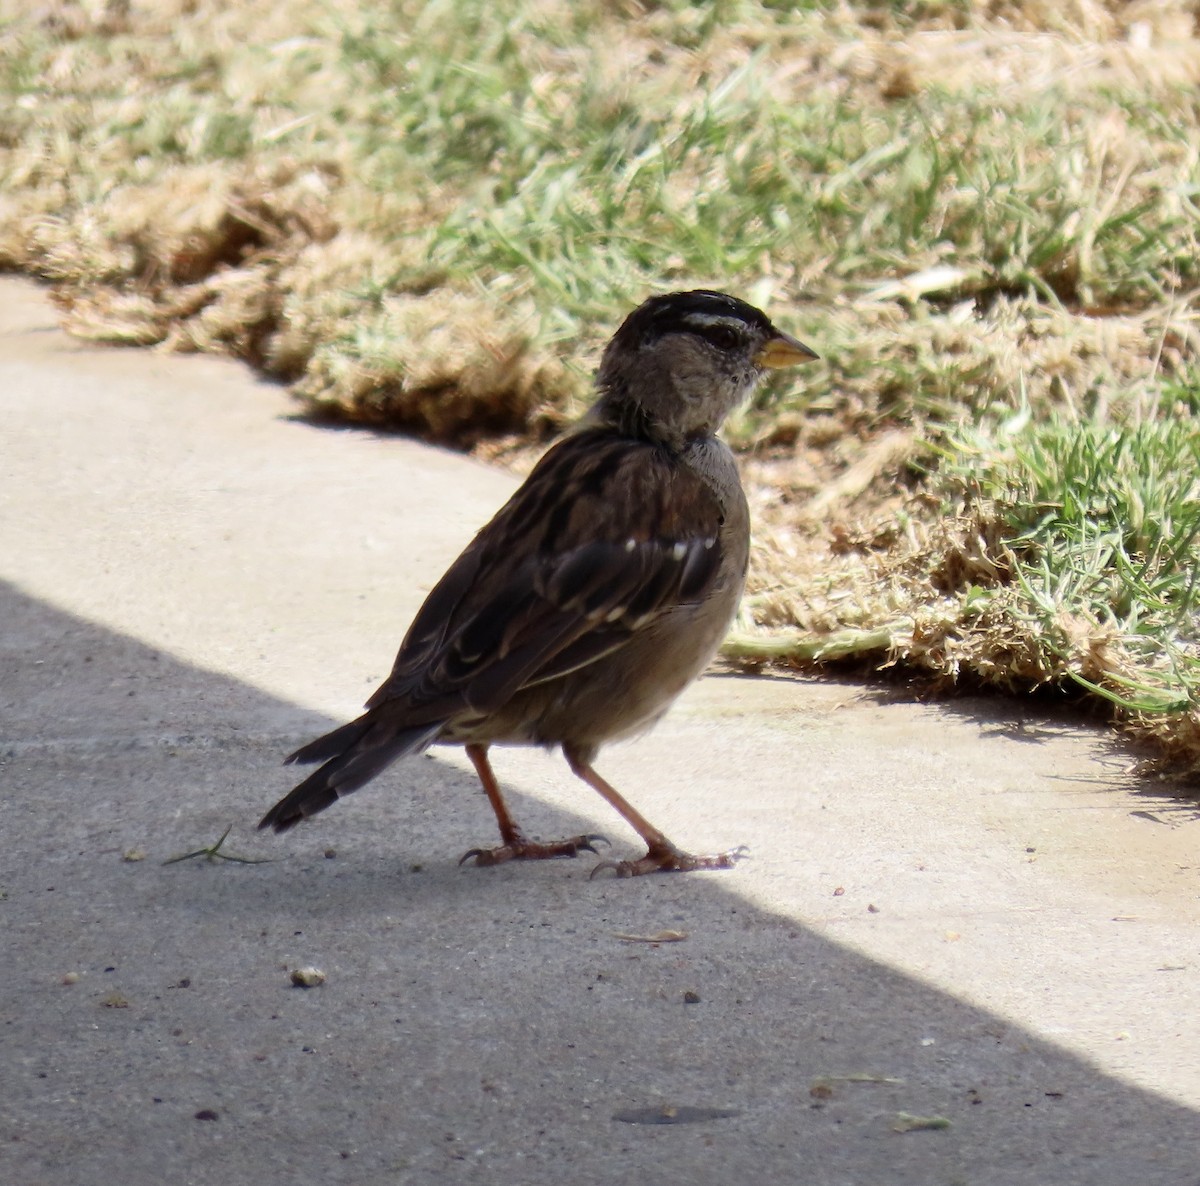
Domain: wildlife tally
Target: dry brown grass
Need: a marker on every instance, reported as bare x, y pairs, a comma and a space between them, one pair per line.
428, 216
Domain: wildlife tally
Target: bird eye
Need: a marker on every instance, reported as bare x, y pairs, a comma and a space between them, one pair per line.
722, 336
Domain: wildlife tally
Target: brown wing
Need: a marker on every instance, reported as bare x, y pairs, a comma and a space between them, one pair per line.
605, 534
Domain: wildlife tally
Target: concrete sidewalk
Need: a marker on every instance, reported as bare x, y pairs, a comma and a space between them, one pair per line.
963, 912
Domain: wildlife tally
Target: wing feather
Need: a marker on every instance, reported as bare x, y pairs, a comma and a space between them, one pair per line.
604, 535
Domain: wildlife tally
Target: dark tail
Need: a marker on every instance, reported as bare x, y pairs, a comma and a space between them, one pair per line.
353, 755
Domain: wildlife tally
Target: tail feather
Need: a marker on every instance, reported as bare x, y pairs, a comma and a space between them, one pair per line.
332, 745
352, 758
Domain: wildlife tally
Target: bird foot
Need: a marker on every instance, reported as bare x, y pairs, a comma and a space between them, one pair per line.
669, 859
520, 849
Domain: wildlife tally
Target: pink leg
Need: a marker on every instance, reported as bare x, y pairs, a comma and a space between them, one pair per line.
515, 846
661, 855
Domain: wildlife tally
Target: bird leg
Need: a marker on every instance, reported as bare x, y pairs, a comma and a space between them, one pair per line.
515, 846
661, 855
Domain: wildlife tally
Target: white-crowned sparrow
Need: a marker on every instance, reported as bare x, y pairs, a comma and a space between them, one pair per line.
598, 592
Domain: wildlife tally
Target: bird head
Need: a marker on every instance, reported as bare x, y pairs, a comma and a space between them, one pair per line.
681, 362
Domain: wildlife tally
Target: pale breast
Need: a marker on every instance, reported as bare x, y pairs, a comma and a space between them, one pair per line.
627, 691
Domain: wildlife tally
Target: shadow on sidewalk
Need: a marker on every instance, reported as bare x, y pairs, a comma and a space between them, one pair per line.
476, 1025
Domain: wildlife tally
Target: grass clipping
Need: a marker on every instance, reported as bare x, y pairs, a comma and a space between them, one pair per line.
429, 216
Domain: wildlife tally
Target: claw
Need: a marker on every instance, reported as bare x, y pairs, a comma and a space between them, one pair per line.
620, 868
520, 849
671, 860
